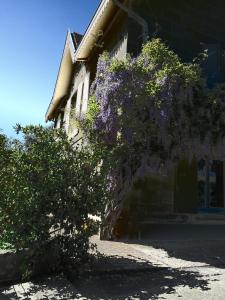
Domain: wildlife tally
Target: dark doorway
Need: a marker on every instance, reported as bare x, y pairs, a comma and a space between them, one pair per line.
210, 184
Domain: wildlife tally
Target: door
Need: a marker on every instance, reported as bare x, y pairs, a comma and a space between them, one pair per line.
186, 187
210, 184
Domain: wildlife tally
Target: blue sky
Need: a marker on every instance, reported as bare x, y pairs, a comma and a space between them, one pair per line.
32, 35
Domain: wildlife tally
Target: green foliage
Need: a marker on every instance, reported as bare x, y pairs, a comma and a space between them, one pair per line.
156, 58
156, 106
153, 110
93, 111
47, 190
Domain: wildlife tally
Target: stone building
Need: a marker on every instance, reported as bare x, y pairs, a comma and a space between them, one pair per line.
193, 193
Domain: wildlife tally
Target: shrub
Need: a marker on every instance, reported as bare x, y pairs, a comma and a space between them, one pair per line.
47, 190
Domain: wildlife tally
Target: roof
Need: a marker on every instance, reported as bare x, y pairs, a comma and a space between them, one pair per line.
78, 48
103, 14
76, 38
64, 74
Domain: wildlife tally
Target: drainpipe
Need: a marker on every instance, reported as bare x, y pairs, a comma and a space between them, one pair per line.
136, 17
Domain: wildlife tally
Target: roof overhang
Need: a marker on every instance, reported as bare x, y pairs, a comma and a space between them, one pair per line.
70, 56
64, 76
97, 24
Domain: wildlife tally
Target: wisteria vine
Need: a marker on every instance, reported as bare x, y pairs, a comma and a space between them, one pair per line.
151, 111
157, 109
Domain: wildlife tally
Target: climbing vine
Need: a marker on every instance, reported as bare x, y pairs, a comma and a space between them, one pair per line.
151, 111
157, 109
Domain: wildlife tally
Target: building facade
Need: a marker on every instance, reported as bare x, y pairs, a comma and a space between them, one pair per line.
189, 27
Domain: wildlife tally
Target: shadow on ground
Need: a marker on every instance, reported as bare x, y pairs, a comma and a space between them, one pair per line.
135, 274
211, 253
46, 288
194, 243
106, 280
138, 281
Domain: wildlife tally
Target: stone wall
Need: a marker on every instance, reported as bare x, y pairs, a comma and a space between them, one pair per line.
12, 264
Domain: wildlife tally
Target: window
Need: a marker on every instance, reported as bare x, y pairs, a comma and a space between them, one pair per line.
81, 101
55, 122
82, 96
73, 104
62, 118
119, 50
210, 184
85, 95
214, 65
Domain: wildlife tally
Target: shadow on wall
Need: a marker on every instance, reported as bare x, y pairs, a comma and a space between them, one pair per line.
148, 195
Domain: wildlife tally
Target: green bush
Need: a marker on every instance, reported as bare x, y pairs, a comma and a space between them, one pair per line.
47, 190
